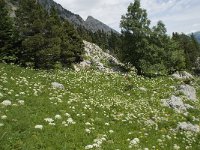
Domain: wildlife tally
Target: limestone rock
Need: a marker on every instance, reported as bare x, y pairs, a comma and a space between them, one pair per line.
183, 75
188, 127
176, 103
57, 85
101, 60
188, 91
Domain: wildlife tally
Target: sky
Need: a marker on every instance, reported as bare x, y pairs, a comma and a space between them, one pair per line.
178, 15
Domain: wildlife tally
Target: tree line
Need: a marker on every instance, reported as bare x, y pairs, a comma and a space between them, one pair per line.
151, 50
41, 39
37, 38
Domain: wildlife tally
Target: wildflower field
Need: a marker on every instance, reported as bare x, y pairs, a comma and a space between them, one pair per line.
94, 110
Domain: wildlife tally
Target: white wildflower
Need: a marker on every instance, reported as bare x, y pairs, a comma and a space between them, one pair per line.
3, 117
111, 131
6, 103
88, 130
49, 120
107, 124
176, 147
135, 141
70, 121
1, 124
52, 124
1, 95
67, 114
58, 117
21, 102
89, 147
39, 127
88, 124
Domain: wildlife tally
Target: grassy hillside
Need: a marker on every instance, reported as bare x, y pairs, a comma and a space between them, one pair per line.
109, 111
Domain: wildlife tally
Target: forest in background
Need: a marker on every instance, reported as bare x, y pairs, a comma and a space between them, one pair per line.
42, 39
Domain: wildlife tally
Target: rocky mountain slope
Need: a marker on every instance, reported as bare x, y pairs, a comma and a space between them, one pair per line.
90, 24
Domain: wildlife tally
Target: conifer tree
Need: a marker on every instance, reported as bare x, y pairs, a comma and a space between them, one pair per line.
6, 34
135, 33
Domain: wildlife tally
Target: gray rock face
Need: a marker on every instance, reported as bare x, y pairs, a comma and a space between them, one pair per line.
90, 24
176, 103
188, 127
182, 75
94, 25
96, 57
188, 91
57, 85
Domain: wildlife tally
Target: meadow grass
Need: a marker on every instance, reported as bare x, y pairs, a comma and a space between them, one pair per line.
104, 111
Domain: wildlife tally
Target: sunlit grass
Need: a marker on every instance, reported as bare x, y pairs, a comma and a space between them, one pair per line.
99, 110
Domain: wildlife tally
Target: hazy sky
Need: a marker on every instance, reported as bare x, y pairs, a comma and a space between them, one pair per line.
178, 15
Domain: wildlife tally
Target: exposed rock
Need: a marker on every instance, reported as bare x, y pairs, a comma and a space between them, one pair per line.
90, 24
176, 103
95, 57
57, 85
143, 89
85, 64
182, 75
188, 127
188, 91
95, 25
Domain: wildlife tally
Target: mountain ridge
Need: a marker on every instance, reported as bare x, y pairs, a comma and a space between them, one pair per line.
90, 24
197, 36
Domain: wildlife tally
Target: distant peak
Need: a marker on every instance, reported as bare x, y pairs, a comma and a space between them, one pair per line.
90, 18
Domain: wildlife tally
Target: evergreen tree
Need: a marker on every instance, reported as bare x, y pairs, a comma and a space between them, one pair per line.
30, 23
190, 47
72, 45
151, 51
46, 40
135, 34
6, 34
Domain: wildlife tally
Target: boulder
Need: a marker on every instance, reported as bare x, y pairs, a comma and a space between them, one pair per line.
188, 127
188, 91
176, 103
57, 85
85, 64
183, 75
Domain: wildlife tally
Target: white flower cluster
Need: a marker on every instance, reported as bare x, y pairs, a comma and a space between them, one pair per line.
97, 142
134, 142
6, 103
39, 127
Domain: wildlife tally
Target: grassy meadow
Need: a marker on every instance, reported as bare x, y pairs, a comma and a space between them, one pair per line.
96, 110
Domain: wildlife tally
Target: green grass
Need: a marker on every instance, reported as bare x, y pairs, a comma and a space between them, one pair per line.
107, 101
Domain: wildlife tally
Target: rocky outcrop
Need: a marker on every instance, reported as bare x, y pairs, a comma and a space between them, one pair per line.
188, 91
176, 103
96, 58
182, 75
188, 127
57, 85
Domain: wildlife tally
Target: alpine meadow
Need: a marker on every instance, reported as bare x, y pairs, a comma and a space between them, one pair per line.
72, 84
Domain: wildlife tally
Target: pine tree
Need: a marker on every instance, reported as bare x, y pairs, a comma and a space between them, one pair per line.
6, 34
71, 46
30, 23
